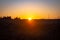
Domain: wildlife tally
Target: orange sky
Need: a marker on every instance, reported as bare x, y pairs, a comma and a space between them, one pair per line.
30, 10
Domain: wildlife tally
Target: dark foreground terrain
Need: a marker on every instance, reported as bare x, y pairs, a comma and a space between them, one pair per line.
23, 29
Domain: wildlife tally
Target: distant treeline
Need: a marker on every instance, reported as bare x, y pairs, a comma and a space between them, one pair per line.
9, 28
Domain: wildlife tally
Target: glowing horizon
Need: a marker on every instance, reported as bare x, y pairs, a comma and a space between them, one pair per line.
30, 9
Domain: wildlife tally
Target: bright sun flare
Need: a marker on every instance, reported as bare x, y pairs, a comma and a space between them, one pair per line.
29, 19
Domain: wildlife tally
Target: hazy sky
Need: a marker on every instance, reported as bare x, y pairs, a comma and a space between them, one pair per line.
30, 8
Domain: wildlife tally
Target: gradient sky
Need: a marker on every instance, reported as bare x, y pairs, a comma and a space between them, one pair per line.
35, 9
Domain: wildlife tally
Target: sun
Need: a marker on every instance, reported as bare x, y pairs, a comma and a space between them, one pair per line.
29, 19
